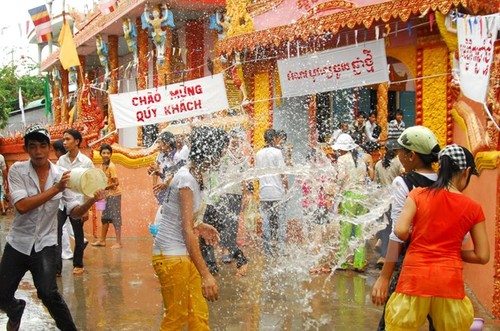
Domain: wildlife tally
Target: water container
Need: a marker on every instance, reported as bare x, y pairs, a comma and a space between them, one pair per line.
477, 325
100, 204
87, 180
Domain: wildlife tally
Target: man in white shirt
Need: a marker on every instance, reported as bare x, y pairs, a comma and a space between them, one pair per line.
37, 186
75, 159
272, 190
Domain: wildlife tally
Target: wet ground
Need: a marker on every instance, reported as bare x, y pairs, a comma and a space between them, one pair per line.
119, 291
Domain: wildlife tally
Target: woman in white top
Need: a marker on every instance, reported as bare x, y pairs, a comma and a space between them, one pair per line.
184, 277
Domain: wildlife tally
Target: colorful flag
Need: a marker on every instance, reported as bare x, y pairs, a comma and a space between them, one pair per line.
21, 106
48, 99
107, 6
43, 26
67, 51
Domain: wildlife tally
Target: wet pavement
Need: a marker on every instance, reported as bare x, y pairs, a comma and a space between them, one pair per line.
119, 291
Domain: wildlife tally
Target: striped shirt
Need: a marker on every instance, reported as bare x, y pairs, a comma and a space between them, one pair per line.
394, 129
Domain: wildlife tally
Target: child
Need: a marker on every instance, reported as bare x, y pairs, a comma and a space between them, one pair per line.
112, 213
350, 181
435, 220
396, 127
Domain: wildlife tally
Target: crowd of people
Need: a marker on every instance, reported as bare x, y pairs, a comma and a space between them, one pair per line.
202, 187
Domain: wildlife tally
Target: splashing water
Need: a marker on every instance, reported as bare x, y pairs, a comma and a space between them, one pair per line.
287, 275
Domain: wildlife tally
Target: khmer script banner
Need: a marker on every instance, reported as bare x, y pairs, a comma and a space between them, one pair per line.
476, 35
336, 69
174, 102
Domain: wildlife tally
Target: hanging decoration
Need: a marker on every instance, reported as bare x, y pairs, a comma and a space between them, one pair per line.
102, 52
214, 20
130, 34
152, 20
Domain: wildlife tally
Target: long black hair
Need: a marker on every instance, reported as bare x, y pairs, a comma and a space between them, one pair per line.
388, 157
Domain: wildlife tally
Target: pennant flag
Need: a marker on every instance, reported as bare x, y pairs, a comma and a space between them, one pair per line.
21, 107
43, 26
48, 99
67, 52
107, 6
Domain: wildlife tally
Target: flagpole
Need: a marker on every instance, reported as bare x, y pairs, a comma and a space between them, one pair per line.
49, 4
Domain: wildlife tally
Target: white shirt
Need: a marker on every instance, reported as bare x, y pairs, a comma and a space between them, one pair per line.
271, 187
233, 165
38, 227
169, 238
399, 194
81, 161
369, 131
182, 155
3, 166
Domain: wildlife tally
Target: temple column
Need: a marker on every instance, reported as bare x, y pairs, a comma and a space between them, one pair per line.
113, 69
56, 102
64, 98
142, 69
80, 74
382, 103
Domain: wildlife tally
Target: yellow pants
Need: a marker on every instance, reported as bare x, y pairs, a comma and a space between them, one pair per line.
183, 300
405, 312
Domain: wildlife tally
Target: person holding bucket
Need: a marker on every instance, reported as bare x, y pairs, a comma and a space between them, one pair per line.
74, 159
112, 204
37, 186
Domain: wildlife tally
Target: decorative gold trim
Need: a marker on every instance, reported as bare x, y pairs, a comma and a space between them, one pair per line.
365, 16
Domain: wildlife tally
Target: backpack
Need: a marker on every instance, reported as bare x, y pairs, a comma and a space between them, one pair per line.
414, 179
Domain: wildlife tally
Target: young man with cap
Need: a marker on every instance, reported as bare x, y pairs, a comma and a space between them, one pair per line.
437, 219
37, 186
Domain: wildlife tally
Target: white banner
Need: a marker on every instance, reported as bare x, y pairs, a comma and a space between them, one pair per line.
336, 69
165, 104
476, 35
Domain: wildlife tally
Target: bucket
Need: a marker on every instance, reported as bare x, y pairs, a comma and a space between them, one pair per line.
87, 180
477, 325
100, 204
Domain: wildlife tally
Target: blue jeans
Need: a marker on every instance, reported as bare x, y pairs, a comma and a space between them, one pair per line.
42, 266
273, 225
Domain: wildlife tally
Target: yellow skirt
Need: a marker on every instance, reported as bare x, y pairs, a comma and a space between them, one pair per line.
406, 312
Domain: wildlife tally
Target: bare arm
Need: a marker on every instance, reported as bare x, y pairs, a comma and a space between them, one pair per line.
481, 252
29, 203
79, 211
402, 227
381, 287
209, 284
114, 183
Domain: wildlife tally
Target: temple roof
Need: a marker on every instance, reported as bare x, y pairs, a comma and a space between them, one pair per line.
363, 16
